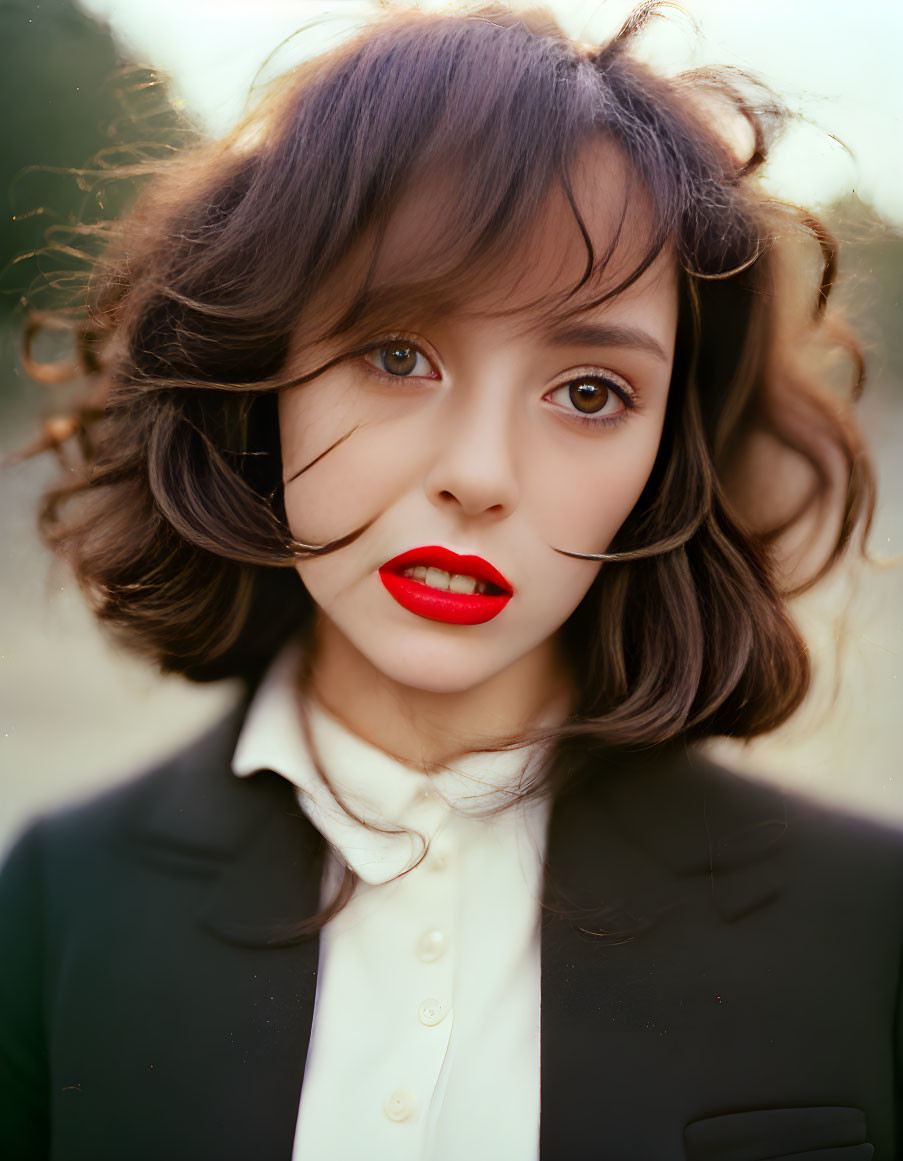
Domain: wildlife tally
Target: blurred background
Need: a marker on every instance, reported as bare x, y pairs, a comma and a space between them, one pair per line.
90, 85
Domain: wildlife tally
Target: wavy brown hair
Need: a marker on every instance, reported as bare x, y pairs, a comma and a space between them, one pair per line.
170, 512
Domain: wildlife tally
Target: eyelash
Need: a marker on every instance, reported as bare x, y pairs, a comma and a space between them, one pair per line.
609, 380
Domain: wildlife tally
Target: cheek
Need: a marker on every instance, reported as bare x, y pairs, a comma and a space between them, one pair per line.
369, 464
583, 498
337, 496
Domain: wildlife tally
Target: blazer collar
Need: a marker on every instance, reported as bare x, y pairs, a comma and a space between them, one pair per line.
623, 838
194, 817
633, 832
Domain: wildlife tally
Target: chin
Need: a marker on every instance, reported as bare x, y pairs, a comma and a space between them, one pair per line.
437, 670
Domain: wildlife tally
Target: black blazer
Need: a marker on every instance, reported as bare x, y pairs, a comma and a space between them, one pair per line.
720, 972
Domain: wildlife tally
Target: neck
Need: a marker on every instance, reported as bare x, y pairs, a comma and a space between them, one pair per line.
423, 727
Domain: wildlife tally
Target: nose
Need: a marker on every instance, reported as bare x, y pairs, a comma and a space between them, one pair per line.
474, 472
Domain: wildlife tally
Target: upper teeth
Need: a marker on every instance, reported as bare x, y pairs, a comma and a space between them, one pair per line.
453, 582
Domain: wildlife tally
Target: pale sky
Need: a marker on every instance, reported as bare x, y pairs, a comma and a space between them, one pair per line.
836, 62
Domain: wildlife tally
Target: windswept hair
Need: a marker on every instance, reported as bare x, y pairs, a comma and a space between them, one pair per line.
173, 520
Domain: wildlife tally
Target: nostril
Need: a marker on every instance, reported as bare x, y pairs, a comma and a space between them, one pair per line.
446, 495
473, 499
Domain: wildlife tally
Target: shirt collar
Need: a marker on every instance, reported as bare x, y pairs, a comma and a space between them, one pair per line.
407, 805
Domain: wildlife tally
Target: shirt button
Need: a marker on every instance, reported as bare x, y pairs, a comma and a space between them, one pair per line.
438, 861
432, 945
432, 1012
401, 1105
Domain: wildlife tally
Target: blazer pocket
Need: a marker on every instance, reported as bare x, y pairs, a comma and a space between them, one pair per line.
813, 1134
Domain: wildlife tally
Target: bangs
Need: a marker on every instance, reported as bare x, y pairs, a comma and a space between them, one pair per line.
425, 264
488, 116
475, 124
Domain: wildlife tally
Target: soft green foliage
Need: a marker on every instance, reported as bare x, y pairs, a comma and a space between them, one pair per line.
80, 122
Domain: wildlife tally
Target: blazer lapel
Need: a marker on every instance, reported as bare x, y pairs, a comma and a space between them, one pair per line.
249, 834
237, 866
268, 891
647, 861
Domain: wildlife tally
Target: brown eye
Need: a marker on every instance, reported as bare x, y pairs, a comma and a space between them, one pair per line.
399, 358
594, 399
588, 395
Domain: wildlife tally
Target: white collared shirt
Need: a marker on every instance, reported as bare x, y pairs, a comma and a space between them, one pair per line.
425, 1040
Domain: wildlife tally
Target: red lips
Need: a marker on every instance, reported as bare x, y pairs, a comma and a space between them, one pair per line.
438, 604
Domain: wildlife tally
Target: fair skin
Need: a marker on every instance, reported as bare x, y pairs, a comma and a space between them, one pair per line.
498, 436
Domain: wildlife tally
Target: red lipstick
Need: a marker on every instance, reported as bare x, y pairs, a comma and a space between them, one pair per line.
439, 604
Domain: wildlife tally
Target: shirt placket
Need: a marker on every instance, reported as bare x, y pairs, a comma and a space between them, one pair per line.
426, 958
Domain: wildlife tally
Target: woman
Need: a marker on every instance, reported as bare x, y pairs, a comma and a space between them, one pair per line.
490, 339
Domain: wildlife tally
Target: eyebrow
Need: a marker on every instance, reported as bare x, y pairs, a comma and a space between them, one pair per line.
606, 335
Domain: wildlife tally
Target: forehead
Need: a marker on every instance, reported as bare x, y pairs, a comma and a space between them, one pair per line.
425, 262
603, 216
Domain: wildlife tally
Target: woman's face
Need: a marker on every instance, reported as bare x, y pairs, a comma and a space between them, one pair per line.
501, 438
